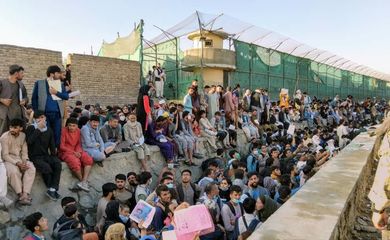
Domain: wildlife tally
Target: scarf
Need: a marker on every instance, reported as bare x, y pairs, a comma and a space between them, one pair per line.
35, 124
135, 130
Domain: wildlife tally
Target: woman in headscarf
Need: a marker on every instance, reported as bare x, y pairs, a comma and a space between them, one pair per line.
265, 207
156, 135
143, 105
114, 216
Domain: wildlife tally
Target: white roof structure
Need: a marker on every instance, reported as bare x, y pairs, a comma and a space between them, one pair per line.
250, 33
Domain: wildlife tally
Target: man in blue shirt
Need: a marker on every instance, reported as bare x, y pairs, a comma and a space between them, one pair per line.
48, 99
254, 190
162, 207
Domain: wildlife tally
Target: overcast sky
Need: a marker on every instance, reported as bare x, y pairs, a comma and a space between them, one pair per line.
355, 29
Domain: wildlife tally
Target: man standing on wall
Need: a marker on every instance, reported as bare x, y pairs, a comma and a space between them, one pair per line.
48, 96
68, 79
13, 97
159, 81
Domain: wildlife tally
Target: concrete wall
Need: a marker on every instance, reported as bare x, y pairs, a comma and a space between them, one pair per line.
35, 62
107, 81
325, 207
11, 222
211, 76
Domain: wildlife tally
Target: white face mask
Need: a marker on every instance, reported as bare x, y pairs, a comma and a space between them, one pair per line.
122, 118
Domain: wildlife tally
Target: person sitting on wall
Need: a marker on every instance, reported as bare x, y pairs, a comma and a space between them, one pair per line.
112, 136
92, 142
20, 171
42, 152
72, 153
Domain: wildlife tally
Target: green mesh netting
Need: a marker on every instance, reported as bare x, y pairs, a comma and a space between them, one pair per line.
128, 48
170, 57
258, 67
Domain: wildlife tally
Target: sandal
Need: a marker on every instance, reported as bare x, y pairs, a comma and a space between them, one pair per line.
25, 201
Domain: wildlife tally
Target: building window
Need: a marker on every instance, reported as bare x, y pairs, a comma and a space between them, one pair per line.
208, 43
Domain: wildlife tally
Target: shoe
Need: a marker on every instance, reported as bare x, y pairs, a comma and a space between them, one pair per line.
5, 202
84, 186
100, 164
52, 195
57, 195
197, 155
126, 149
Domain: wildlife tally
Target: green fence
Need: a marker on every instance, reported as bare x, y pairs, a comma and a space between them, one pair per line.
258, 67
170, 57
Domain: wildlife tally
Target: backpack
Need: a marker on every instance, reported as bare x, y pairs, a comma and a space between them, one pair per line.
255, 162
251, 227
231, 207
67, 234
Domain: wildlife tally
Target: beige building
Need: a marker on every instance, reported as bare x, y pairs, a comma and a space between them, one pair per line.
208, 58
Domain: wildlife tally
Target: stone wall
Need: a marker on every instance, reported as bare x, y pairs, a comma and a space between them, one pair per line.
11, 222
34, 61
326, 206
107, 81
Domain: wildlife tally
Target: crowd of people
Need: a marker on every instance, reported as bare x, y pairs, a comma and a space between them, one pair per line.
289, 141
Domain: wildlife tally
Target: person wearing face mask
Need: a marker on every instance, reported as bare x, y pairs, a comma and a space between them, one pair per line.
166, 180
116, 213
232, 211
224, 190
122, 122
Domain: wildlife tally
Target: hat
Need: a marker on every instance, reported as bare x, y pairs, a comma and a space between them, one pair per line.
162, 101
38, 113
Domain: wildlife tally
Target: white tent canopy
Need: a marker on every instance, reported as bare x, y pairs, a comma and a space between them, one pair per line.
250, 33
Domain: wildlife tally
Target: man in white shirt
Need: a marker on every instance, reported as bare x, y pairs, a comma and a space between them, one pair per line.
249, 221
159, 77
